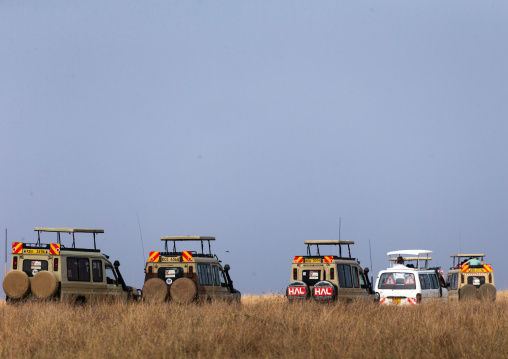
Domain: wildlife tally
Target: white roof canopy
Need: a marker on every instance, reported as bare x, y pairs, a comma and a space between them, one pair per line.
69, 230
411, 252
188, 238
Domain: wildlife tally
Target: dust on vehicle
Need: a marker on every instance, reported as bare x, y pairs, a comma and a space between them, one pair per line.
328, 278
411, 280
187, 276
470, 278
53, 271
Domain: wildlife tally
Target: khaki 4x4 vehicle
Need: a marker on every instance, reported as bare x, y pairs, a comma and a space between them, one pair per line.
469, 278
187, 276
328, 278
54, 272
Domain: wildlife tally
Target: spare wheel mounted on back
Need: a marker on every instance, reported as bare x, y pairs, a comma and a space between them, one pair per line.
183, 290
297, 290
44, 284
16, 284
324, 291
155, 290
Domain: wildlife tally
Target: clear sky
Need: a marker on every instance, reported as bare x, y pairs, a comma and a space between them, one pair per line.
258, 122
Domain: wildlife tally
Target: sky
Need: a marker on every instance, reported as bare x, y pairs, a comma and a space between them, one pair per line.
262, 123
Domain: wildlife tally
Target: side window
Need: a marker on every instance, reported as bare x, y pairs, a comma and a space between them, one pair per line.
97, 270
355, 277
216, 280
110, 275
423, 281
433, 281
31, 267
455, 281
222, 278
204, 274
345, 276
78, 269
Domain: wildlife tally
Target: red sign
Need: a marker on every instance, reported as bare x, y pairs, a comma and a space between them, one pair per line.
323, 291
297, 291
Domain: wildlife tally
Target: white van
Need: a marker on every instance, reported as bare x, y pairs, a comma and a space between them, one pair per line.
410, 283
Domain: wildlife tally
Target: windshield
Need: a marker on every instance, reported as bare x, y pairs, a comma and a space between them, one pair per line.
397, 280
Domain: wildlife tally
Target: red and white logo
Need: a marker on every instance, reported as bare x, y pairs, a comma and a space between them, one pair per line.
323, 291
297, 291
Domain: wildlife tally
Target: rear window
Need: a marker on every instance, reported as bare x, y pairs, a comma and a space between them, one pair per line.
170, 274
397, 280
311, 277
31, 267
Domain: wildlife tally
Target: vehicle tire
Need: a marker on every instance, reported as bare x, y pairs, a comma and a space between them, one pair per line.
329, 287
44, 284
16, 284
293, 294
468, 292
183, 290
487, 292
155, 290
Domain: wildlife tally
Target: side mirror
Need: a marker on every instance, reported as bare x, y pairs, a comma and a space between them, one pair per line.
366, 270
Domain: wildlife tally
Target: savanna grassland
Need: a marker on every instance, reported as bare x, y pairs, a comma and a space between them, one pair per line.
260, 327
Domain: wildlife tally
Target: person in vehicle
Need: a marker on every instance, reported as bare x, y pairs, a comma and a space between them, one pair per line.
400, 263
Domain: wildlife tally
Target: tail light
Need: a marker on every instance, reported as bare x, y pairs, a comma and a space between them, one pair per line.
418, 298
55, 265
191, 271
490, 277
332, 273
150, 270
295, 273
15, 262
462, 278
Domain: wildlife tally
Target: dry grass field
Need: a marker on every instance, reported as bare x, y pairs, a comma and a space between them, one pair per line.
260, 327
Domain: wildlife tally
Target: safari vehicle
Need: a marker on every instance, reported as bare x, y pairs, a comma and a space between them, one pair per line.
55, 272
410, 284
328, 278
187, 276
469, 278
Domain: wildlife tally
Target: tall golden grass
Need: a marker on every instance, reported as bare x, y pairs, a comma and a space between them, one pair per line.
260, 327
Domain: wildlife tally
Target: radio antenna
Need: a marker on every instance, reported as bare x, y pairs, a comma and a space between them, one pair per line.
340, 220
371, 269
5, 251
141, 236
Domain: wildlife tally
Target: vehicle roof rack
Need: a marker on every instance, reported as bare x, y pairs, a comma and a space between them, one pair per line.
466, 255
318, 243
67, 230
188, 239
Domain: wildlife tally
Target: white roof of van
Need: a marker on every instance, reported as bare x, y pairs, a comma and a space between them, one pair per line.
412, 252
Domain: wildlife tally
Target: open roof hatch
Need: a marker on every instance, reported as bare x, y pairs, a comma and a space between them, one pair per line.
67, 230
188, 239
339, 243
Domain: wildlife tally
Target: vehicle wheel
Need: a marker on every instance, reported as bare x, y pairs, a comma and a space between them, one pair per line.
16, 284
183, 290
155, 290
44, 284
297, 290
80, 301
468, 292
487, 292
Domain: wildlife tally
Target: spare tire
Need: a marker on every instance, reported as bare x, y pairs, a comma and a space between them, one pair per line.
297, 290
468, 292
155, 290
16, 284
487, 292
183, 290
44, 284
324, 291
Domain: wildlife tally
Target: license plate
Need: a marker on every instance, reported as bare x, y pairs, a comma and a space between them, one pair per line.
35, 251
476, 269
312, 260
396, 300
170, 259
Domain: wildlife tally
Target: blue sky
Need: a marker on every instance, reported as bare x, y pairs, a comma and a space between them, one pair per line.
260, 123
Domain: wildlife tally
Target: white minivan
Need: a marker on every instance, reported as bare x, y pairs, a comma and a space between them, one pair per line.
410, 283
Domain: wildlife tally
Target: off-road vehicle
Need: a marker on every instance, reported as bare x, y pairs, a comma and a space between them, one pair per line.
469, 278
55, 272
187, 276
328, 278
409, 283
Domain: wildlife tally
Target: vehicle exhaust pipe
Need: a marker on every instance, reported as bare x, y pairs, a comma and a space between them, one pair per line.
230, 282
